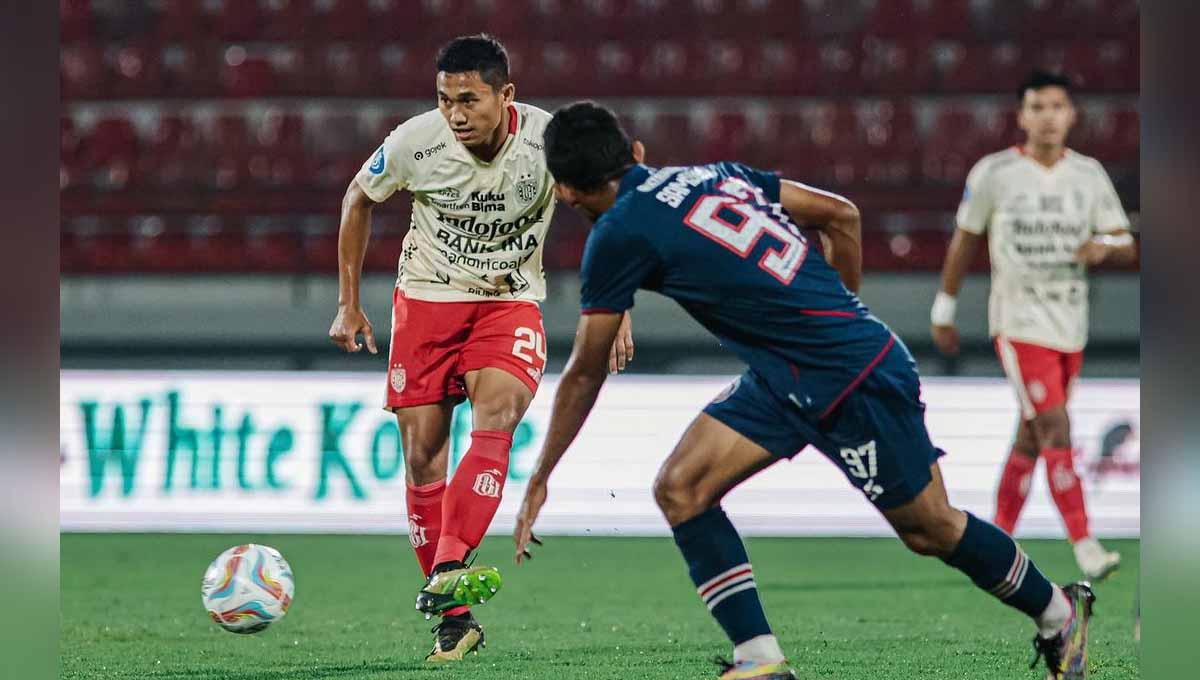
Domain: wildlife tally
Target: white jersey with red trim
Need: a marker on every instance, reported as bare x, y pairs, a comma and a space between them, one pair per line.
1037, 217
477, 227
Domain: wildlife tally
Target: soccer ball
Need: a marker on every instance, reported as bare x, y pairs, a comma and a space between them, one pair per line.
247, 588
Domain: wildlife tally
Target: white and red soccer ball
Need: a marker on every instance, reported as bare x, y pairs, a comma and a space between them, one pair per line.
247, 588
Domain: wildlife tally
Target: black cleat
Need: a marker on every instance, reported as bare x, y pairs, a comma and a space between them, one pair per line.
1066, 652
455, 637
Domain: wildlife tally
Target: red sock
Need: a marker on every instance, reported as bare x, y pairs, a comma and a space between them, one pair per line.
473, 495
1067, 491
1014, 489
425, 521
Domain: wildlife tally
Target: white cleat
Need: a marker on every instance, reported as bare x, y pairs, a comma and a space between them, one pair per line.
1094, 561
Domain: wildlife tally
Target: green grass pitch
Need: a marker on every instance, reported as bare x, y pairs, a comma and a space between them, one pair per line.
846, 609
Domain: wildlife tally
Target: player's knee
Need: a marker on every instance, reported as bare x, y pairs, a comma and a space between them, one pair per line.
1053, 429
677, 496
422, 463
499, 413
937, 536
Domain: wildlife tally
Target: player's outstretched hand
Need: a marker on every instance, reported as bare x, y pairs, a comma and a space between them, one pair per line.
622, 349
946, 339
347, 325
535, 498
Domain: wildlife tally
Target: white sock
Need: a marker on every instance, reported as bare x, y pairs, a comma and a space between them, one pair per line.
761, 649
1057, 613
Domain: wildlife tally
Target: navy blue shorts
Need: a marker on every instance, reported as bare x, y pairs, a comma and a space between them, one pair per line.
876, 435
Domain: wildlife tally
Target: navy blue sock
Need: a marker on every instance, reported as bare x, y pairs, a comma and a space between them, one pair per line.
720, 568
994, 562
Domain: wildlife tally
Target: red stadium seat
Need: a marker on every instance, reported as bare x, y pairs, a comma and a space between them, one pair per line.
894, 66
835, 17
246, 76
953, 146
190, 71
216, 246
722, 61
726, 137
137, 72
1117, 66
289, 20
112, 140
74, 21
82, 72
346, 20
839, 62
182, 21
383, 251
407, 71
239, 20
615, 67
1118, 19
321, 250
664, 67
349, 70
669, 140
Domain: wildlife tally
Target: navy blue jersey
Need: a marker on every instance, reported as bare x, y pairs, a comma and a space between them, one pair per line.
715, 239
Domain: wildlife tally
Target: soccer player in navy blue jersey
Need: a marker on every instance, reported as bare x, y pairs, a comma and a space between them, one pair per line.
723, 241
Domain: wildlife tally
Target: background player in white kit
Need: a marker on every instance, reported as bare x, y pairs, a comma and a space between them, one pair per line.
465, 322
1050, 213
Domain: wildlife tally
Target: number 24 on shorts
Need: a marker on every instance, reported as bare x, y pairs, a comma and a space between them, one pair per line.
529, 339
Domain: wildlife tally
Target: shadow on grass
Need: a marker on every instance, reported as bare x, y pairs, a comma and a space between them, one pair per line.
299, 672
859, 586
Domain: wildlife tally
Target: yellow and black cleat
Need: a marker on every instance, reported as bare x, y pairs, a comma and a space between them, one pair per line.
749, 670
455, 637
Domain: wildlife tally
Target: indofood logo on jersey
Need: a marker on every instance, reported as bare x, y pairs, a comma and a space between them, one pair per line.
526, 189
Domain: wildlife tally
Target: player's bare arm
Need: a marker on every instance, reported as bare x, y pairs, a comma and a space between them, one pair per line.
1113, 247
964, 245
836, 218
577, 391
353, 232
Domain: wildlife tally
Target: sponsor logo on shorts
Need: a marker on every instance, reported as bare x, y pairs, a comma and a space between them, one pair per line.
487, 483
398, 378
1037, 391
378, 163
416, 532
534, 373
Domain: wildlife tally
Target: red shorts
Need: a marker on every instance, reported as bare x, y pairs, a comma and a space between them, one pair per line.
434, 344
1041, 376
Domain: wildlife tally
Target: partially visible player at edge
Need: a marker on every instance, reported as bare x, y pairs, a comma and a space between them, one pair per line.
465, 317
1050, 213
722, 241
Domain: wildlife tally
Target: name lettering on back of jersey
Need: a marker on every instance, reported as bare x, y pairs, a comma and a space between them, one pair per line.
674, 193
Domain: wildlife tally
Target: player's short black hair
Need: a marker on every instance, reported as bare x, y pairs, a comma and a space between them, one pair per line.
586, 147
1039, 79
481, 53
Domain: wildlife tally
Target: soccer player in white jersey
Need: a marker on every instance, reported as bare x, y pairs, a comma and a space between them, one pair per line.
465, 317
1049, 213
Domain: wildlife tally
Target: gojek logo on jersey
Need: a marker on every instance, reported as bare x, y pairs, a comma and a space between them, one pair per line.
377, 163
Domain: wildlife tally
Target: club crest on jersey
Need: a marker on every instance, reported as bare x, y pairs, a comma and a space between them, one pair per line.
398, 377
487, 483
526, 189
378, 163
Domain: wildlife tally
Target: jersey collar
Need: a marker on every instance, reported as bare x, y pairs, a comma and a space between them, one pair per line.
636, 175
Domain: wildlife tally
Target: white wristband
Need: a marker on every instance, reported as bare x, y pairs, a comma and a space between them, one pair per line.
944, 306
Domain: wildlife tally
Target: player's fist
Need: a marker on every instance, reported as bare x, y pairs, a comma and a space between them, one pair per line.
622, 350
1091, 253
347, 325
946, 339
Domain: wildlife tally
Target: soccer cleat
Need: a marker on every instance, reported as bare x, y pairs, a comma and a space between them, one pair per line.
455, 637
1066, 652
751, 670
1094, 561
454, 584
